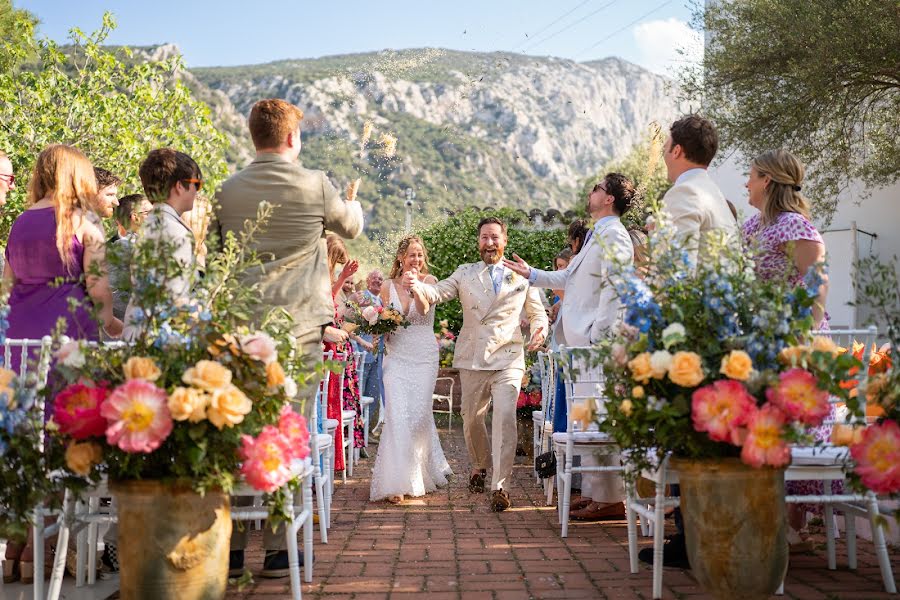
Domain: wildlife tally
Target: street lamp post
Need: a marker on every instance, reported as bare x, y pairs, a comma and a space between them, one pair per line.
410, 197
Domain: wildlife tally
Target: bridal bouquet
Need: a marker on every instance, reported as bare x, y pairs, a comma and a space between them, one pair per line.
372, 319
713, 362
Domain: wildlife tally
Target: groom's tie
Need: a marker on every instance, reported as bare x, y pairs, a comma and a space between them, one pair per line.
491, 269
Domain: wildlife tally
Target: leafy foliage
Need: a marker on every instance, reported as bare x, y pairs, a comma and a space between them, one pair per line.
819, 78
113, 108
454, 242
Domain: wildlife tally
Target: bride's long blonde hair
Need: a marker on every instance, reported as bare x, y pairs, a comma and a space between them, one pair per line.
402, 250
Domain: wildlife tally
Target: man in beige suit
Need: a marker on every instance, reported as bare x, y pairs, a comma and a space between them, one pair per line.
294, 274
694, 204
489, 352
294, 271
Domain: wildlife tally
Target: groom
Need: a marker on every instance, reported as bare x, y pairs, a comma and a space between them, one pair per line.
489, 352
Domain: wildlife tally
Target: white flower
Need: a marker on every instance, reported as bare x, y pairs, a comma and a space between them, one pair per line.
659, 363
673, 334
70, 355
370, 314
259, 346
654, 403
290, 387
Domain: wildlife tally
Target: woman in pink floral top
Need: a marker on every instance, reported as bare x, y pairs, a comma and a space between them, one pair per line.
786, 245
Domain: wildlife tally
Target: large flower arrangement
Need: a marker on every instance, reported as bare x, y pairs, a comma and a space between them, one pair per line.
713, 362
197, 395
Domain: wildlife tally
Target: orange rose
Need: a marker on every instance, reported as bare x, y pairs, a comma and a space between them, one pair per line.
188, 404
274, 374
227, 407
641, 369
208, 375
138, 367
82, 456
686, 369
793, 355
737, 365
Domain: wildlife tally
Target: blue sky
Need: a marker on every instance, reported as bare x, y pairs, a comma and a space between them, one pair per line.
229, 32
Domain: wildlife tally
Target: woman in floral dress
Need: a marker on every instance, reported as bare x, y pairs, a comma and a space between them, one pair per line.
336, 340
786, 245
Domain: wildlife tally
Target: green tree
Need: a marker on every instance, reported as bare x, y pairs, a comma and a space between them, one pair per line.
113, 105
644, 166
819, 78
454, 242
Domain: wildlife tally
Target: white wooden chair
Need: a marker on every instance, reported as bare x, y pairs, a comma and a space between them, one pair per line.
299, 519
826, 464
322, 451
365, 402
448, 398
348, 417
548, 400
582, 385
539, 416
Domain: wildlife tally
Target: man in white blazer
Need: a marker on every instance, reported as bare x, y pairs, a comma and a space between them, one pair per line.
590, 309
694, 204
489, 353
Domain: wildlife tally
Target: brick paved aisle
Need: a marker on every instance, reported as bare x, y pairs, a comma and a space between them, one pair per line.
449, 545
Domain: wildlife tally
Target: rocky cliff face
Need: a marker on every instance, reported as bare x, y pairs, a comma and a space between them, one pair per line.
481, 129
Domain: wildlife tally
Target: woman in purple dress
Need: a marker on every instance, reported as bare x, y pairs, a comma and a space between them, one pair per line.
51, 248
785, 245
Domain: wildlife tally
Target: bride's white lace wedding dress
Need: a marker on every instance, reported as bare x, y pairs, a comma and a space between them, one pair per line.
410, 460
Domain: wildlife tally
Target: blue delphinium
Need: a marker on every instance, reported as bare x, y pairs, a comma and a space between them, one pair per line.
641, 309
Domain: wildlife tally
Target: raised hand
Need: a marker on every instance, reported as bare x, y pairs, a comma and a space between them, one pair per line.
409, 280
517, 266
350, 269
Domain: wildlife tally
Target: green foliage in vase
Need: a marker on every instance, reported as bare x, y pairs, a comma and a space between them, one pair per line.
454, 242
819, 78
113, 108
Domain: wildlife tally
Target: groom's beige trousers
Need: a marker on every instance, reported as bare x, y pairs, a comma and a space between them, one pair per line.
479, 390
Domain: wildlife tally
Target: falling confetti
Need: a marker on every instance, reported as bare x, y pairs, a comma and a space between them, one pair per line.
388, 144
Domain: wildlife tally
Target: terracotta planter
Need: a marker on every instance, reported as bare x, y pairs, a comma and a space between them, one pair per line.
735, 528
176, 542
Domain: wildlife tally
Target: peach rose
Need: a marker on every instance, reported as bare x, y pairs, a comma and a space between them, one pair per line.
641, 369
822, 343
793, 355
626, 407
82, 456
686, 369
227, 407
6, 377
737, 365
274, 374
208, 375
138, 367
637, 392
188, 404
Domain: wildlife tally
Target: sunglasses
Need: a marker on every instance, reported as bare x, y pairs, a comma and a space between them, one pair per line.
197, 182
599, 188
10, 179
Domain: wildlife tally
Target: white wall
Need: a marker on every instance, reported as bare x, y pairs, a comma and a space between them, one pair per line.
879, 215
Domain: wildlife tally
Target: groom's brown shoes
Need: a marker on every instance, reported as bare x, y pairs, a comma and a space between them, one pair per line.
500, 501
476, 482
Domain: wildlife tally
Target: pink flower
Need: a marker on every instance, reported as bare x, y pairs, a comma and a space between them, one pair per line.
266, 465
293, 427
259, 346
370, 314
76, 410
138, 415
877, 457
721, 408
798, 395
764, 444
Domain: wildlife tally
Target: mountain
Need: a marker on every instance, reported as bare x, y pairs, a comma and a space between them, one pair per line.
472, 129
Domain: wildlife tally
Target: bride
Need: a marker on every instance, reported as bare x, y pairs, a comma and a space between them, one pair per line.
410, 461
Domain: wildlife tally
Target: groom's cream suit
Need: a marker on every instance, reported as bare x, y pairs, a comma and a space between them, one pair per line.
490, 355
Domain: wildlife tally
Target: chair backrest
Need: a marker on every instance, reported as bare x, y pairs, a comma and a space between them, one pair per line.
543, 363
34, 365
583, 383
845, 338
359, 359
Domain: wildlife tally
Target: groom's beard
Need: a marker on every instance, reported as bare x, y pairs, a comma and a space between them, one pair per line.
491, 256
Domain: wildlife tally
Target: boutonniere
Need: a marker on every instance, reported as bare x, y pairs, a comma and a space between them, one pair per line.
509, 277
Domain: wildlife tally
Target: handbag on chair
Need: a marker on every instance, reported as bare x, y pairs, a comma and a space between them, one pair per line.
545, 465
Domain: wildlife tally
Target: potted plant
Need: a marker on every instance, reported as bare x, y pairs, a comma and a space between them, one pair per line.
719, 369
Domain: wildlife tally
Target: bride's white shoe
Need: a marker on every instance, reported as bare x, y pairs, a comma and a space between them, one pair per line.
394, 499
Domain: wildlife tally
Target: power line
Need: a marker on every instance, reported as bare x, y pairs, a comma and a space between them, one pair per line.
621, 29
534, 35
570, 26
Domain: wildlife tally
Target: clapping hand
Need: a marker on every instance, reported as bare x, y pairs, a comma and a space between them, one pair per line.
517, 266
409, 279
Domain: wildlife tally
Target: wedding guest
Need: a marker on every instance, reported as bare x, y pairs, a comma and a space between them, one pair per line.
786, 245
129, 214
640, 241
106, 201
171, 181
576, 234
694, 204
7, 178
590, 309
372, 371
304, 204
561, 262
54, 258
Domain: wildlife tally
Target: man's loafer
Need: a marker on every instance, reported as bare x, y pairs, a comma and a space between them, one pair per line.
500, 501
476, 482
275, 564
